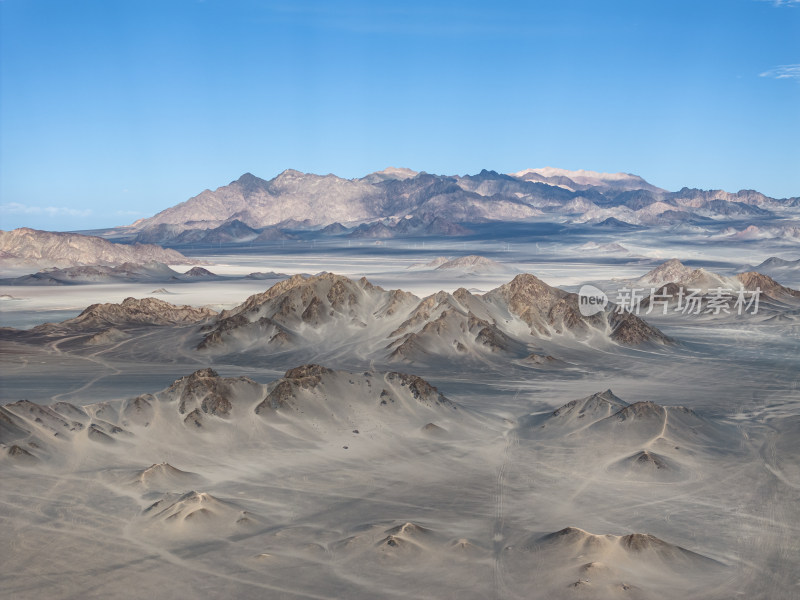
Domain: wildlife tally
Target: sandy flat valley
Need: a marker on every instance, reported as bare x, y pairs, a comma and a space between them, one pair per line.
332, 456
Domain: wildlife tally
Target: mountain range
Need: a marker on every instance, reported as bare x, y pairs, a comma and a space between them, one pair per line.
401, 202
303, 316
674, 274
150, 272
328, 315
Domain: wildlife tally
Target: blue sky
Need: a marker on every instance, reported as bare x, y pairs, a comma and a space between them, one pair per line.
114, 110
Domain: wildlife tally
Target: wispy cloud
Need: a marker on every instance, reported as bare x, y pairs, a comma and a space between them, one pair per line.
782, 2
15, 208
783, 72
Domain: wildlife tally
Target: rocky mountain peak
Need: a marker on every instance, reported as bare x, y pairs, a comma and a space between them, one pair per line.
753, 280
309, 370
525, 290
671, 271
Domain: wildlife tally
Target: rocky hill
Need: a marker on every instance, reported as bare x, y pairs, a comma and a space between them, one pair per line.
131, 312
26, 247
330, 311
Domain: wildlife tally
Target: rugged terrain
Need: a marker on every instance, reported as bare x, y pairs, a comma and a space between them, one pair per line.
431, 421
248, 490
404, 203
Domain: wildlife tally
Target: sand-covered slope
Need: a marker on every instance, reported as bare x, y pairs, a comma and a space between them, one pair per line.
358, 479
310, 403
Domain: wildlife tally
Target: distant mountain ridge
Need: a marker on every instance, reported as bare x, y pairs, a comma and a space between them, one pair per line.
32, 247
401, 202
